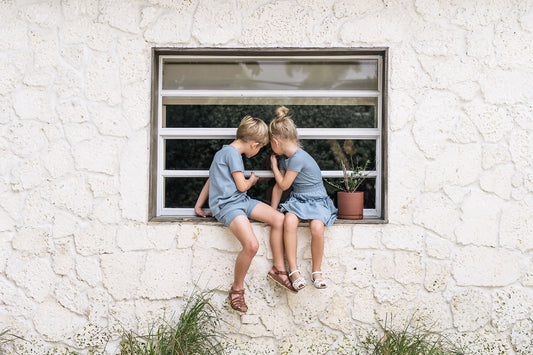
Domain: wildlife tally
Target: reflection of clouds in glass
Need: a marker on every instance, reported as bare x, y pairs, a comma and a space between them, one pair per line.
317, 76
254, 69
272, 75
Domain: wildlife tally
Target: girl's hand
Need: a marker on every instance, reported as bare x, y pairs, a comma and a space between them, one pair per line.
273, 161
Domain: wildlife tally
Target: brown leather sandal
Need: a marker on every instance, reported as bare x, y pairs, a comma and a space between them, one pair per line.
274, 275
237, 303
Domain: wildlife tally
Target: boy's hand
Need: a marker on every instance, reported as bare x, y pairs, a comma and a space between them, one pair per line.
200, 212
253, 179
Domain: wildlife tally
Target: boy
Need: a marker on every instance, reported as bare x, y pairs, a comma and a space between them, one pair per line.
229, 204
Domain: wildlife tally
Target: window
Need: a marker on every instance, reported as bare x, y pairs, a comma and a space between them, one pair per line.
336, 98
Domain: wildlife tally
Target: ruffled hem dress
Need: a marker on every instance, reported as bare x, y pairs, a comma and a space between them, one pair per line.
311, 205
309, 199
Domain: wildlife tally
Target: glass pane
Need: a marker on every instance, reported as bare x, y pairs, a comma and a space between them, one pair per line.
191, 154
329, 153
271, 75
282, 99
182, 192
197, 154
368, 186
305, 116
259, 162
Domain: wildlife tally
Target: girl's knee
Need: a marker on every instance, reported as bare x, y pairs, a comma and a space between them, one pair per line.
317, 229
290, 221
278, 220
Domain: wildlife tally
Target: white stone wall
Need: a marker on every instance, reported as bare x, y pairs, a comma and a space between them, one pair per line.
78, 258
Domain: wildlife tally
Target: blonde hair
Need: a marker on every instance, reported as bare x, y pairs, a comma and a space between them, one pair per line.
253, 129
283, 126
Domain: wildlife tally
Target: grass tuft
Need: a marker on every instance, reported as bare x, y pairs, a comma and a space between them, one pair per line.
195, 332
412, 339
6, 337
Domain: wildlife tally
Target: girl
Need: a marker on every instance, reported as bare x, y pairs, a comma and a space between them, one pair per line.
308, 200
226, 189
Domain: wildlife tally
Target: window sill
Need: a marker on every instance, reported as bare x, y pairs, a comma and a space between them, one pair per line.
212, 220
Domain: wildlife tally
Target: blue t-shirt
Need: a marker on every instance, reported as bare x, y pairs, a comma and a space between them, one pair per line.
309, 175
222, 188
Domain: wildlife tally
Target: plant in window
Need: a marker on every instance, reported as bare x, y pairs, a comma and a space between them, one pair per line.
355, 174
349, 199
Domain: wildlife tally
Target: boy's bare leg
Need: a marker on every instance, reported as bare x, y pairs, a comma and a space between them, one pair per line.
242, 229
264, 213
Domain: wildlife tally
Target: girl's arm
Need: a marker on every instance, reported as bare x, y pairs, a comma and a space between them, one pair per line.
283, 181
204, 194
242, 183
276, 194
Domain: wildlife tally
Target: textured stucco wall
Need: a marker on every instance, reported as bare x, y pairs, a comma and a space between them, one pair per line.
79, 259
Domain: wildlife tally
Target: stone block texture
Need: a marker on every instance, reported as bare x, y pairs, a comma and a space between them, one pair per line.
79, 258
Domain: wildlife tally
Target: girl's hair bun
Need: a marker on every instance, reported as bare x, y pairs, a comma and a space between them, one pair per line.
281, 112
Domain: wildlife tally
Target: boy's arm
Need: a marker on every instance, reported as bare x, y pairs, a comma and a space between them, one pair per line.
242, 183
204, 194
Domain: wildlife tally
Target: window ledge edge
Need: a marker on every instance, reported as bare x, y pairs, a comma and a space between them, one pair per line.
212, 220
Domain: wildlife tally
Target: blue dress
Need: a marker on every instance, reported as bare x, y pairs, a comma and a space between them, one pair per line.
308, 199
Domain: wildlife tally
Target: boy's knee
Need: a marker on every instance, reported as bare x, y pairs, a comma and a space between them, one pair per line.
251, 247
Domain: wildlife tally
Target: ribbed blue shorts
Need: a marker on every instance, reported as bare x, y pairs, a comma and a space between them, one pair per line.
232, 210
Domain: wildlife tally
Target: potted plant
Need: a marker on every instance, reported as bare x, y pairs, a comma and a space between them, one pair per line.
350, 201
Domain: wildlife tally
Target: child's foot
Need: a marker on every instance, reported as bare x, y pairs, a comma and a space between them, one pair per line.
318, 282
236, 300
299, 283
281, 278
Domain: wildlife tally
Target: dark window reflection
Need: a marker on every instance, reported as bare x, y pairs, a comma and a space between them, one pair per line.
183, 192
259, 162
197, 154
328, 153
191, 154
305, 116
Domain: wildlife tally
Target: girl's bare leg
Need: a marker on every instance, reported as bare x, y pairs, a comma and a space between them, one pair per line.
290, 227
317, 244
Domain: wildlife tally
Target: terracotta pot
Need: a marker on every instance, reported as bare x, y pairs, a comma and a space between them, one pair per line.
350, 204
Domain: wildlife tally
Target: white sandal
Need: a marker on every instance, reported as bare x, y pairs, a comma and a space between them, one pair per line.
299, 283
319, 283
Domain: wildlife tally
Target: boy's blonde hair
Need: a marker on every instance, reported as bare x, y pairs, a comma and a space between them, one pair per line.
253, 129
283, 126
